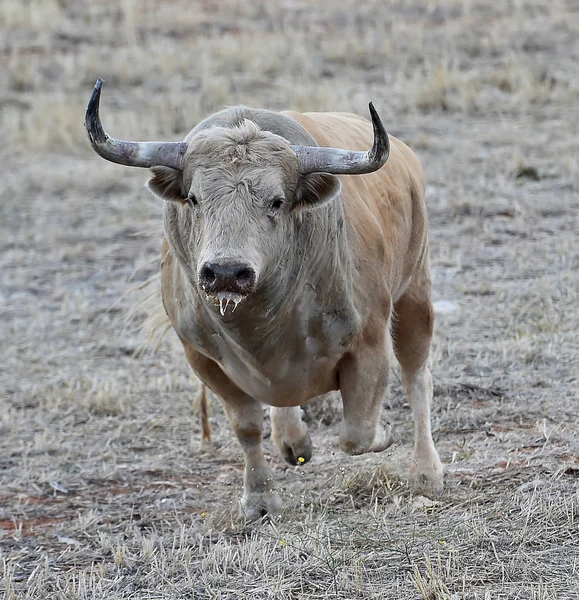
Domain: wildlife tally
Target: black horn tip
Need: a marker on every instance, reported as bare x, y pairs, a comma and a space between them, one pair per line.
381, 146
93, 104
374, 115
92, 120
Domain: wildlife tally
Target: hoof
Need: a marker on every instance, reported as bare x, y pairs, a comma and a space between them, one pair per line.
254, 507
382, 440
426, 479
298, 453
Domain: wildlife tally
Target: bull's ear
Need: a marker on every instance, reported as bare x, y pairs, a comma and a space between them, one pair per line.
167, 183
315, 190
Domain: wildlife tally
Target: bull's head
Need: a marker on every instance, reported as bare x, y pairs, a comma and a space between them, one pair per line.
236, 192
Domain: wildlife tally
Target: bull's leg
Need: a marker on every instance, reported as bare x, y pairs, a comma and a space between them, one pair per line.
259, 497
363, 384
412, 338
290, 434
246, 417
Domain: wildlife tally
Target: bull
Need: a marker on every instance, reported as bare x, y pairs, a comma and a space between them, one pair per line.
285, 277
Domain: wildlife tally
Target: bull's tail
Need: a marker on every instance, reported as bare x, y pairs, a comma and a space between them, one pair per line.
201, 405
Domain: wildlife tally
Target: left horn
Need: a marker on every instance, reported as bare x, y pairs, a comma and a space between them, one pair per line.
132, 154
314, 159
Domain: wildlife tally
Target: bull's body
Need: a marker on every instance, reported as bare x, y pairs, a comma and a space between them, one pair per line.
328, 273
284, 345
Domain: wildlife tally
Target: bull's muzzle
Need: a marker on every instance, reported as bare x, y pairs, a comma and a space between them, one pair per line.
226, 281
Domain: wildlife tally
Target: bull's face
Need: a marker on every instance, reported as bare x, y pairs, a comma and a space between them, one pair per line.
238, 201
235, 194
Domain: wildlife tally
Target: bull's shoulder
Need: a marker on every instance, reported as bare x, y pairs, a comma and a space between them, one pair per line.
335, 129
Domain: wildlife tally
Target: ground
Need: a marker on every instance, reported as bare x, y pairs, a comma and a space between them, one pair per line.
104, 490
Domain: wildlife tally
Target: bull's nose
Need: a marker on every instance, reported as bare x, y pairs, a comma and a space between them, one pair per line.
233, 278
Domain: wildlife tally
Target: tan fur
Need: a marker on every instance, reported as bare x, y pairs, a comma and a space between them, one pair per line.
339, 273
201, 404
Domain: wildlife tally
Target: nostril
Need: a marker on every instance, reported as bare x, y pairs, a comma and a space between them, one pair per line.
232, 278
208, 274
244, 275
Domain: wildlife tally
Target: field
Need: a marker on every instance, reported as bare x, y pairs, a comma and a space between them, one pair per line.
105, 492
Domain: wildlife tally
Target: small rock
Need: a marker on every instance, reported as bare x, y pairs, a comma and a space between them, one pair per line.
527, 172
66, 540
444, 307
421, 502
58, 487
531, 485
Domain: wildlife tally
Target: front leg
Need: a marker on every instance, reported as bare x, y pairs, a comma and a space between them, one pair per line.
363, 382
246, 417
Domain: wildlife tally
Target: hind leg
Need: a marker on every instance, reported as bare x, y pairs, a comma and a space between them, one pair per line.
413, 329
363, 377
290, 434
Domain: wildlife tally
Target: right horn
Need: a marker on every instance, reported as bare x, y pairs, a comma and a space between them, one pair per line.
315, 159
132, 154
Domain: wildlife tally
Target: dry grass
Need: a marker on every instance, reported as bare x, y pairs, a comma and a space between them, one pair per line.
104, 490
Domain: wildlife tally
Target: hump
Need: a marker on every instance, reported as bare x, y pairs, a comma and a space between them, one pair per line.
267, 120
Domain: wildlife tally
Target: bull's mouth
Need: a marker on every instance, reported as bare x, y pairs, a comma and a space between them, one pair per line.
226, 301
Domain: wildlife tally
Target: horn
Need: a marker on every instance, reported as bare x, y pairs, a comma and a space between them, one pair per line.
315, 159
132, 154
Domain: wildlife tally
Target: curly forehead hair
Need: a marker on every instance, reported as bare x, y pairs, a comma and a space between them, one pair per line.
244, 142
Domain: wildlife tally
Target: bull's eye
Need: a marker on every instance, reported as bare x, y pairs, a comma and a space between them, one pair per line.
191, 200
276, 204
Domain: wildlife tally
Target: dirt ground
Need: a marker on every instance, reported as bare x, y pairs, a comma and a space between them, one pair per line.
104, 491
